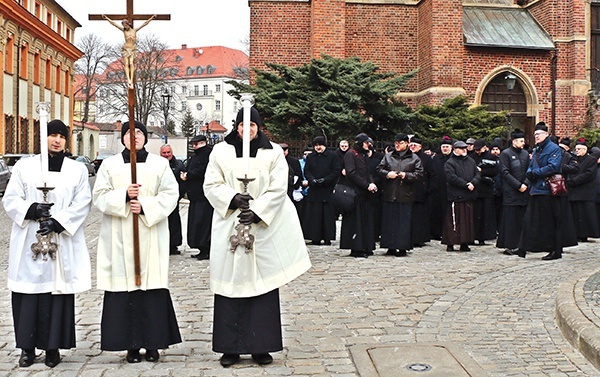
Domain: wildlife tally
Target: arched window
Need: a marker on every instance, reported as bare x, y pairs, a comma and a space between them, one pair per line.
498, 97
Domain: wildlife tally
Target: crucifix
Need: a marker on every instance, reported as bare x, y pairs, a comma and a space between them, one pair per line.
129, 56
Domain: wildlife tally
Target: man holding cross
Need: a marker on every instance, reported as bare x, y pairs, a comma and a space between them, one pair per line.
135, 315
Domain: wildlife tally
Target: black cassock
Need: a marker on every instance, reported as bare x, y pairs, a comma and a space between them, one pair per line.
138, 319
247, 325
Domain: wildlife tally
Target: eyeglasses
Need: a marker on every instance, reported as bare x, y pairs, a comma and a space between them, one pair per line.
538, 133
137, 132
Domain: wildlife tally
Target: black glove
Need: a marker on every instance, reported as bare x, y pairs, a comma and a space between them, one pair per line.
48, 226
240, 201
246, 217
42, 210
530, 175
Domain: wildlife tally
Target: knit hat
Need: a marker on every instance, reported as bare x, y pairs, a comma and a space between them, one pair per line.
254, 117
319, 140
138, 125
581, 141
478, 144
57, 126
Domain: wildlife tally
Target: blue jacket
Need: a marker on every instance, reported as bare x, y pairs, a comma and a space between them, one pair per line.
545, 161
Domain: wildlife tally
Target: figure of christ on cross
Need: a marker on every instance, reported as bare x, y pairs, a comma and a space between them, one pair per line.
129, 50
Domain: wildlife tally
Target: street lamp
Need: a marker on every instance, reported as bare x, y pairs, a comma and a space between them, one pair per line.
166, 97
510, 80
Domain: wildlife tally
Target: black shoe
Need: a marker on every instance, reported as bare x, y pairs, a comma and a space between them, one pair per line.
482, 242
228, 359
553, 255
391, 252
262, 358
327, 243
152, 355
52, 358
174, 251
195, 255
133, 356
450, 248
202, 256
369, 253
521, 253
358, 254
401, 253
27, 358
464, 247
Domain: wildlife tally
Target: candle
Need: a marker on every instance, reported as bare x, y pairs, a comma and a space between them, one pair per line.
43, 111
247, 102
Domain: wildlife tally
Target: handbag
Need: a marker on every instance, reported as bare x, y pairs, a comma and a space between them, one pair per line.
557, 185
343, 197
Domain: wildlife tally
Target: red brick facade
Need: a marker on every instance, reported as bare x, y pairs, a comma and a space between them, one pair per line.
403, 35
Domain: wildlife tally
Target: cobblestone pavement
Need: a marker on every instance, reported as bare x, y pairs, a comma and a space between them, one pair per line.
498, 309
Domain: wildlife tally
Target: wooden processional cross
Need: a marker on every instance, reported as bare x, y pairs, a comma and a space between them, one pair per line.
129, 55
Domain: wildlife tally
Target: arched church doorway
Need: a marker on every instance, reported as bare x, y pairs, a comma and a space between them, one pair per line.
505, 93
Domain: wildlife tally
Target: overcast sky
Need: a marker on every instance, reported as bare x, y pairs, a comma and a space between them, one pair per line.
197, 23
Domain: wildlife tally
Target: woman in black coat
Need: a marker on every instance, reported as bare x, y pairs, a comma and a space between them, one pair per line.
358, 232
401, 169
462, 176
582, 193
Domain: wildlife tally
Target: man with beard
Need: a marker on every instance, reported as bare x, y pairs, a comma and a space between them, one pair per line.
438, 200
421, 232
514, 162
462, 177
582, 193
174, 219
322, 170
484, 211
200, 212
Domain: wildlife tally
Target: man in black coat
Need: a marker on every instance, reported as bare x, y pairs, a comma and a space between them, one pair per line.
176, 165
438, 198
200, 212
295, 171
421, 232
322, 171
484, 210
514, 162
462, 177
582, 193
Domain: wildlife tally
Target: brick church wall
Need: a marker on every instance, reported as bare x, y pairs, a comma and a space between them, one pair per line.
427, 34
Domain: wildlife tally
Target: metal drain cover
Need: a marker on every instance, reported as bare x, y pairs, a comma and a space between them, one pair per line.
414, 359
419, 367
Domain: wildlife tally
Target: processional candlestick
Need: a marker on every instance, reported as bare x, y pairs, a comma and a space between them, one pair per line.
243, 236
44, 244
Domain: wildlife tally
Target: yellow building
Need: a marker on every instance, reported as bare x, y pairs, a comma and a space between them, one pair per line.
37, 55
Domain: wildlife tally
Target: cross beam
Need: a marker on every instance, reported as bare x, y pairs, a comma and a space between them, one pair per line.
129, 16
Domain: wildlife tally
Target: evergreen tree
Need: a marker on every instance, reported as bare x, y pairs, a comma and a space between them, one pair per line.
335, 97
187, 124
458, 120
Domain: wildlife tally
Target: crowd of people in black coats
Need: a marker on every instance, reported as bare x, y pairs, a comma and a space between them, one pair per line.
463, 193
